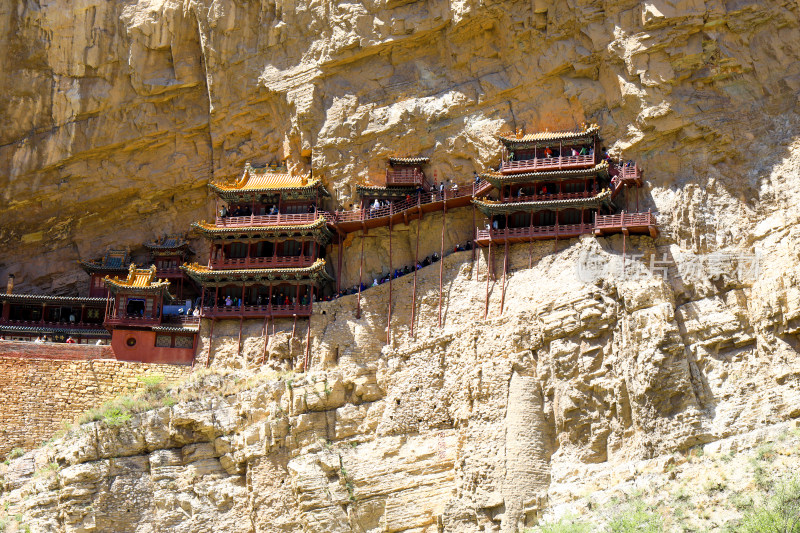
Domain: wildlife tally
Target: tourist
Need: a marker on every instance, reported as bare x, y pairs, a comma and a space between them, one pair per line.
584, 151
70, 340
99, 342
548, 152
494, 224
228, 301
38, 340
375, 282
196, 311
477, 178
574, 152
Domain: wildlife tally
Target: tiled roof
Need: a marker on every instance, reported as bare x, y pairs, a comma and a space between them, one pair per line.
167, 242
51, 330
493, 207
549, 135
417, 160
112, 260
189, 328
201, 272
46, 298
138, 280
318, 228
495, 177
266, 179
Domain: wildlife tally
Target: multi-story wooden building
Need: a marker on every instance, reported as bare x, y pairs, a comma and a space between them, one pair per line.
557, 185
168, 253
267, 246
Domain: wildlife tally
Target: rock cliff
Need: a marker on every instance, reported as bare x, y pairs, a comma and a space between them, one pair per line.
118, 114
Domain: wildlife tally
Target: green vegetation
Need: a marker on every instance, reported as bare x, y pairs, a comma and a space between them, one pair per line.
16, 452
635, 517
567, 524
780, 513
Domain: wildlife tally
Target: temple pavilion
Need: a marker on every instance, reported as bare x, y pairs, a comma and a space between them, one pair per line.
140, 330
113, 263
554, 185
168, 253
267, 246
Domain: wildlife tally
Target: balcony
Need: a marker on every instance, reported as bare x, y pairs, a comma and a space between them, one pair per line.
282, 219
51, 325
547, 163
299, 261
638, 223
257, 311
180, 320
551, 197
131, 320
527, 233
404, 177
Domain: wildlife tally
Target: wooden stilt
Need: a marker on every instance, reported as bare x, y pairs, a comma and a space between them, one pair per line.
360, 273
441, 261
210, 338
239, 347
416, 260
391, 275
339, 254
266, 339
307, 362
505, 269
488, 273
474, 232
624, 238
530, 243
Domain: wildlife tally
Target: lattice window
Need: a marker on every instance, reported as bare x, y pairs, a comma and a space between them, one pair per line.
163, 341
182, 341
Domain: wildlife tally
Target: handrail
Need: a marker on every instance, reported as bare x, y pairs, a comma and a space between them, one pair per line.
48, 324
249, 262
549, 163
256, 310
534, 231
550, 196
625, 220
267, 220
130, 320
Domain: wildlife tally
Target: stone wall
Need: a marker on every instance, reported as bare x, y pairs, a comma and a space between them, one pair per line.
39, 393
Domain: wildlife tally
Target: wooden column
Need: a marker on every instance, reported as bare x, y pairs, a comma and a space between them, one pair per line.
210, 337
488, 273
307, 362
505, 269
391, 275
530, 242
416, 261
360, 272
441, 261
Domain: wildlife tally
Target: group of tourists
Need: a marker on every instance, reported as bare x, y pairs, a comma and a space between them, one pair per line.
398, 272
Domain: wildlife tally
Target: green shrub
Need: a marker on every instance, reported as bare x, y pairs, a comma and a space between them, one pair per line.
16, 452
779, 514
567, 524
152, 382
636, 517
114, 416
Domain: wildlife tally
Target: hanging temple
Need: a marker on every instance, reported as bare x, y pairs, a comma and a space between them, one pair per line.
268, 244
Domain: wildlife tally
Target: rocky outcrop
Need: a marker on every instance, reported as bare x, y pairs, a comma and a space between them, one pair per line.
586, 361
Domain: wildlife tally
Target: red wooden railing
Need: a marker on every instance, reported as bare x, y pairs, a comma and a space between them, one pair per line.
263, 262
404, 176
534, 231
548, 163
551, 197
170, 271
257, 310
187, 320
56, 325
624, 220
266, 220
132, 321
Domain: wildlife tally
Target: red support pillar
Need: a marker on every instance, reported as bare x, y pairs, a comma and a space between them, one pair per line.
307, 362
360, 273
488, 273
391, 275
210, 337
441, 261
505, 268
266, 338
416, 261
530, 242
339, 253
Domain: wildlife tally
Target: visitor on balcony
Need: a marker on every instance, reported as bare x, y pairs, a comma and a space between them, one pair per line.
223, 213
228, 301
574, 152
548, 152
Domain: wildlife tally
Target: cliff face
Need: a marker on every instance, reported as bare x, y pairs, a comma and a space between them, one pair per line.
124, 110
117, 113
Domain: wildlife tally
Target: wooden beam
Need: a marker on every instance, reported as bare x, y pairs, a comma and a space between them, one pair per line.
441, 261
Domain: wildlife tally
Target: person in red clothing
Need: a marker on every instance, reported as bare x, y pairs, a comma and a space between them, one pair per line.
70, 340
